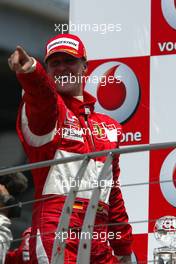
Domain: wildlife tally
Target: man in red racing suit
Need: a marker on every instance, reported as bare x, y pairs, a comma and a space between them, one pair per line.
56, 119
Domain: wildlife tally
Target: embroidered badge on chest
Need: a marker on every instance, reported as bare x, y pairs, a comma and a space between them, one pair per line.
72, 129
105, 131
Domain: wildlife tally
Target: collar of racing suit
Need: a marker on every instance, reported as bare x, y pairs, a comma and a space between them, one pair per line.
79, 97
78, 107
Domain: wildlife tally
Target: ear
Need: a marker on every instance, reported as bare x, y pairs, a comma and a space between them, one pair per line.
85, 66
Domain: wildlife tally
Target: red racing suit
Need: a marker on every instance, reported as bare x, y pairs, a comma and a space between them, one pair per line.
51, 126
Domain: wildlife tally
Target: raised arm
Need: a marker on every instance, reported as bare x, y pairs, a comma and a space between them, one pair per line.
40, 110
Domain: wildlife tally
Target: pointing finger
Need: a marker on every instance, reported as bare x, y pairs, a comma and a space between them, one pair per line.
22, 52
16, 57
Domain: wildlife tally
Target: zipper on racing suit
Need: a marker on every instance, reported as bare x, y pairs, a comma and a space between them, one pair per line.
85, 124
90, 135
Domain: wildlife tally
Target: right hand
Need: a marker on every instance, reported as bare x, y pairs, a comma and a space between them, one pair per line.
20, 61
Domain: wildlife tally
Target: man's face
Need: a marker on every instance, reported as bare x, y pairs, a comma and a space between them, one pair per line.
66, 71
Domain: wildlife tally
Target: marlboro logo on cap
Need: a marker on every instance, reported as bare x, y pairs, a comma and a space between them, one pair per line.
67, 43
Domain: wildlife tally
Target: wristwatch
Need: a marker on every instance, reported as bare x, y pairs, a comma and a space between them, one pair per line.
13, 206
6, 199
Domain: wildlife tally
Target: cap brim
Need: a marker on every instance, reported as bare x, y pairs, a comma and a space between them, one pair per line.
72, 53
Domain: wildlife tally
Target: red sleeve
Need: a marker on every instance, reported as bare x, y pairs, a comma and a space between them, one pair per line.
122, 241
40, 98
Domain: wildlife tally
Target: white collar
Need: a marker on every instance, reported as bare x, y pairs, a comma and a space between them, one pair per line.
79, 97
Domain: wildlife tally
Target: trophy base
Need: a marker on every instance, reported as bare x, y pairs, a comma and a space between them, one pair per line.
164, 255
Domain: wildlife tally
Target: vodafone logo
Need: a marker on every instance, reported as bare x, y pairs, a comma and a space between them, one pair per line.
167, 173
169, 11
118, 99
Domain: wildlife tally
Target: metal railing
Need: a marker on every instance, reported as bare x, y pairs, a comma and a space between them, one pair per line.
84, 249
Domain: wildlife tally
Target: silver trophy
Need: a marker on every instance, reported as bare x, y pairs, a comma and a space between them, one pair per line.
165, 233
